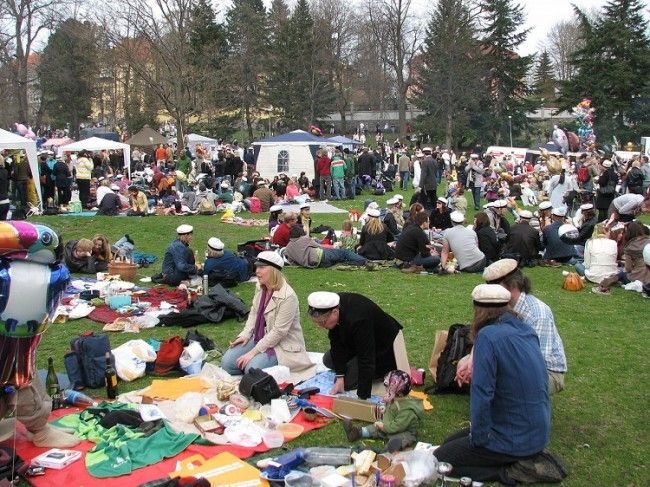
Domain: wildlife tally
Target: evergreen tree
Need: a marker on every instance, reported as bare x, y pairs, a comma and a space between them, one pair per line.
449, 79
544, 81
247, 50
67, 73
297, 85
613, 69
505, 70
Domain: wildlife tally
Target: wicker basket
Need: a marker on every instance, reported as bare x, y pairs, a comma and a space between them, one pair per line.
125, 270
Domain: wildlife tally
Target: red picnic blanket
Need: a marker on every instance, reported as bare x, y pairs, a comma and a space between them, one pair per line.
155, 296
77, 475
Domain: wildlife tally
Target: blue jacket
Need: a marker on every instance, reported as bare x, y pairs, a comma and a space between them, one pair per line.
509, 402
555, 247
179, 260
228, 262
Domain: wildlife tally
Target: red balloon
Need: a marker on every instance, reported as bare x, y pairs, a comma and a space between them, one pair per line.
574, 141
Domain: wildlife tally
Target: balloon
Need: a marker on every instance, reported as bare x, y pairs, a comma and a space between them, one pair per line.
560, 139
21, 129
574, 141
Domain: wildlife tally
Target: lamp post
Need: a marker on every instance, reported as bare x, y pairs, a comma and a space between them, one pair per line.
510, 126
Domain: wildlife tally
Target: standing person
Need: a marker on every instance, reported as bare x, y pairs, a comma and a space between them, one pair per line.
21, 174
84, 169
323, 165
645, 169
560, 185
63, 181
179, 263
46, 179
272, 334
634, 178
606, 191
4, 190
337, 169
366, 164
463, 242
361, 337
350, 174
404, 168
510, 410
474, 171
429, 180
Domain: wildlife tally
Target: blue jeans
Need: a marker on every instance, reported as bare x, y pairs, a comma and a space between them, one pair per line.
404, 178
334, 256
260, 361
325, 182
476, 193
338, 185
580, 268
351, 187
430, 262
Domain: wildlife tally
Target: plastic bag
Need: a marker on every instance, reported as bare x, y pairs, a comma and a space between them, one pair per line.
186, 407
131, 359
420, 466
192, 357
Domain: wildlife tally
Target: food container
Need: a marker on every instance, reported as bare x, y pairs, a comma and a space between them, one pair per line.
125, 270
119, 300
273, 439
290, 431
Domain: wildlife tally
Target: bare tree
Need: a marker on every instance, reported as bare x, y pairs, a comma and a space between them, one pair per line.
397, 34
562, 41
153, 39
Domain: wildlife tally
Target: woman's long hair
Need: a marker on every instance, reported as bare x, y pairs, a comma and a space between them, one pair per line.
374, 226
484, 316
105, 253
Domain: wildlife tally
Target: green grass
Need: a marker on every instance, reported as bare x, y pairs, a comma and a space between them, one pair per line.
600, 422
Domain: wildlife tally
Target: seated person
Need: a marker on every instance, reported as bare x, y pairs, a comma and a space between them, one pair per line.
139, 206
79, 257
225, 193
373, 243
101, 252
272, 334
274, 213
600, 257
303, 251
556, 251
304, 218
348, 239
439, 219
282, 232
413, 246
361, 337
458, 200
265, 195
111, 203
293, 190
401, 420
179, 263
463, 242
523, 243
487, 237
218, 258
509, 402
389, 219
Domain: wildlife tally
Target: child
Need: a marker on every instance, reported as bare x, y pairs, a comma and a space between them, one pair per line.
348, 240
401, 419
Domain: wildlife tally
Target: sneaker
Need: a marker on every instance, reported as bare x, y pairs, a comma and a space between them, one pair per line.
599, 290
352, 432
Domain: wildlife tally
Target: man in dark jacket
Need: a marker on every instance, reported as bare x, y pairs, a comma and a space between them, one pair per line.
361, 337
178, 263
366, 163
412, 247
523, 242
556, 250
428, 179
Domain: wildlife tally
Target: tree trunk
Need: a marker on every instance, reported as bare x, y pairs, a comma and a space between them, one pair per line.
180, 135
449, 129
344, 122
249, 123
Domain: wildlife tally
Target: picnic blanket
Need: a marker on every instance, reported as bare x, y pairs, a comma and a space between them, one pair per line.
76, 474
315, 207
154, 295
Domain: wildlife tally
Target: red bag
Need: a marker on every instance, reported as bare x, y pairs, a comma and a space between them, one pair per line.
168, 355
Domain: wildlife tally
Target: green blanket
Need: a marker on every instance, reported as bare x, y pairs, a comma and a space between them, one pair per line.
120, 450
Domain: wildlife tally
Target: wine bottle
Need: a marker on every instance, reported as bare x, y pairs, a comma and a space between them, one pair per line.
111, 378
51, 380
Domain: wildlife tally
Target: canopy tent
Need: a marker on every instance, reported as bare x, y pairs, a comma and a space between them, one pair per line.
147, 137
289, 153
97, 144
13, 141
345, 142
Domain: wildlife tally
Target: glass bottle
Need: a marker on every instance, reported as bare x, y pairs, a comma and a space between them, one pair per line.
111, 378
51, 380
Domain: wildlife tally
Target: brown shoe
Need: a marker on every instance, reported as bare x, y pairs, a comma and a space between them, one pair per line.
413, 269
352, 432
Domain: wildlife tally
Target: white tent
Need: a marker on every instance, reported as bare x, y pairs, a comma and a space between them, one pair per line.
289, 153
97, 144
13, 141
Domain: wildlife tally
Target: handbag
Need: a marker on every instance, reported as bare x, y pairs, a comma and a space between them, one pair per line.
261, 386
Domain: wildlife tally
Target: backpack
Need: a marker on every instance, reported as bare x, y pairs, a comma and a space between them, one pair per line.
85, 364
168, 355
206, 206
458, 345
583, 174
255, 205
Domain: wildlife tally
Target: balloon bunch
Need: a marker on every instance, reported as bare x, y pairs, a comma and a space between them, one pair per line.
584, 114
24, 131
314, 130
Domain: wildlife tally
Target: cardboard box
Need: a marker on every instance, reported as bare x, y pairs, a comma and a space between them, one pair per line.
357, 409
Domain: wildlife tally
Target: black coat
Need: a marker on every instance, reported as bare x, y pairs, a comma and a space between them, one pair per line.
440, 220
366, 332
525, 241
428, 174
375, 247
607, 178
366, 164
412, 242
488, 243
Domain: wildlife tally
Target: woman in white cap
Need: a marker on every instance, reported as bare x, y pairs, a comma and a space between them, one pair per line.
224, 262
509, 403
272, 334
390, 219
373, 243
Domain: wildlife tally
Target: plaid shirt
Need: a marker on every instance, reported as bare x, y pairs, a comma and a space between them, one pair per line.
538, 315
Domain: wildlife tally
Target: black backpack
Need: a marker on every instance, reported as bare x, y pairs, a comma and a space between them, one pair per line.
458, 345
86, 362
261, 386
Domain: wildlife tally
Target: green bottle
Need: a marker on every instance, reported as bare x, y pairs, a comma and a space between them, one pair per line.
51, 380
111, 378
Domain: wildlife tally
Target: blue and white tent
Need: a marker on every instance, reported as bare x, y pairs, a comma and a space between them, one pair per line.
289, 153
345, 142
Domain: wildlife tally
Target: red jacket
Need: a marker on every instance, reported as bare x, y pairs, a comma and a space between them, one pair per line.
323, 164
281, 235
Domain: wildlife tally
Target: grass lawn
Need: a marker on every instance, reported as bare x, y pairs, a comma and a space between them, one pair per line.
600, 422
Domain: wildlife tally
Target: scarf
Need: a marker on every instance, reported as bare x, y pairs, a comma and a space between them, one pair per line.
260, 321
